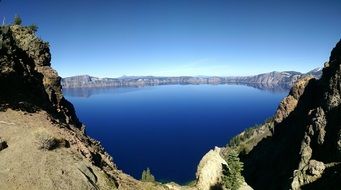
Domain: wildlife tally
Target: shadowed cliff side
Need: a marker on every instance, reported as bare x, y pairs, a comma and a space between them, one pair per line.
27, 82
300, 148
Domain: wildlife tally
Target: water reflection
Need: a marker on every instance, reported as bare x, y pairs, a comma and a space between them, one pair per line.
87, 92
274, 88
173, 124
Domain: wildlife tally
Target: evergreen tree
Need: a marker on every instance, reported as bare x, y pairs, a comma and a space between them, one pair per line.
33, 27
147, 176
143, 177
232, 177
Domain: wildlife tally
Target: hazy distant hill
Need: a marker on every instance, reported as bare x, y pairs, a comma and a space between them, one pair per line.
273, 78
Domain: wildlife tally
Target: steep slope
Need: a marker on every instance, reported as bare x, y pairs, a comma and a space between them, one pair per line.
42, 143
300, 148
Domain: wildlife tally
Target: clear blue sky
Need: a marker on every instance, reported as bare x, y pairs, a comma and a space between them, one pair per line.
182, 37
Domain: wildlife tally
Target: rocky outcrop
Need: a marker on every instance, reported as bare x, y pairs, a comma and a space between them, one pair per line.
210, 169
309, 173
266, 80
27, 81
289, 103
303, 149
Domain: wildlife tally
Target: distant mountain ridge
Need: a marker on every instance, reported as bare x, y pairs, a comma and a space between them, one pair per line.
273, 78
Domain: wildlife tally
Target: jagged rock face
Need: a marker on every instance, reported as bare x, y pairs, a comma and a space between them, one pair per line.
304, 151
289, 103
332, 79
26, 79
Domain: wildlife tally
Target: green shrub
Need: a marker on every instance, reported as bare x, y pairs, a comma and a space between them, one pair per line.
33, 27
232, 177
46, 141
235, 141
17, 20
248, 133
147, 176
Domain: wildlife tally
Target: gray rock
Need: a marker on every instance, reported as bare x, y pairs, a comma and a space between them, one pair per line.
319, 124
87, 172
315, 168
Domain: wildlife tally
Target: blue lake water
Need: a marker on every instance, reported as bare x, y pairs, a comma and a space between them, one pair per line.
169, 128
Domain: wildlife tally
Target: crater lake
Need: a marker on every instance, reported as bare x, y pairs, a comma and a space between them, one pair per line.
169, 128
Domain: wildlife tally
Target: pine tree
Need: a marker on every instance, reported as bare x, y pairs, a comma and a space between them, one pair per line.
33, 27
232, 177
143, 177
147, 176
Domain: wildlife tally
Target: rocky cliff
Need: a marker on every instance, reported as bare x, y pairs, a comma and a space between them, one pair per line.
300, 148
281, 79
42, 143
27, 81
